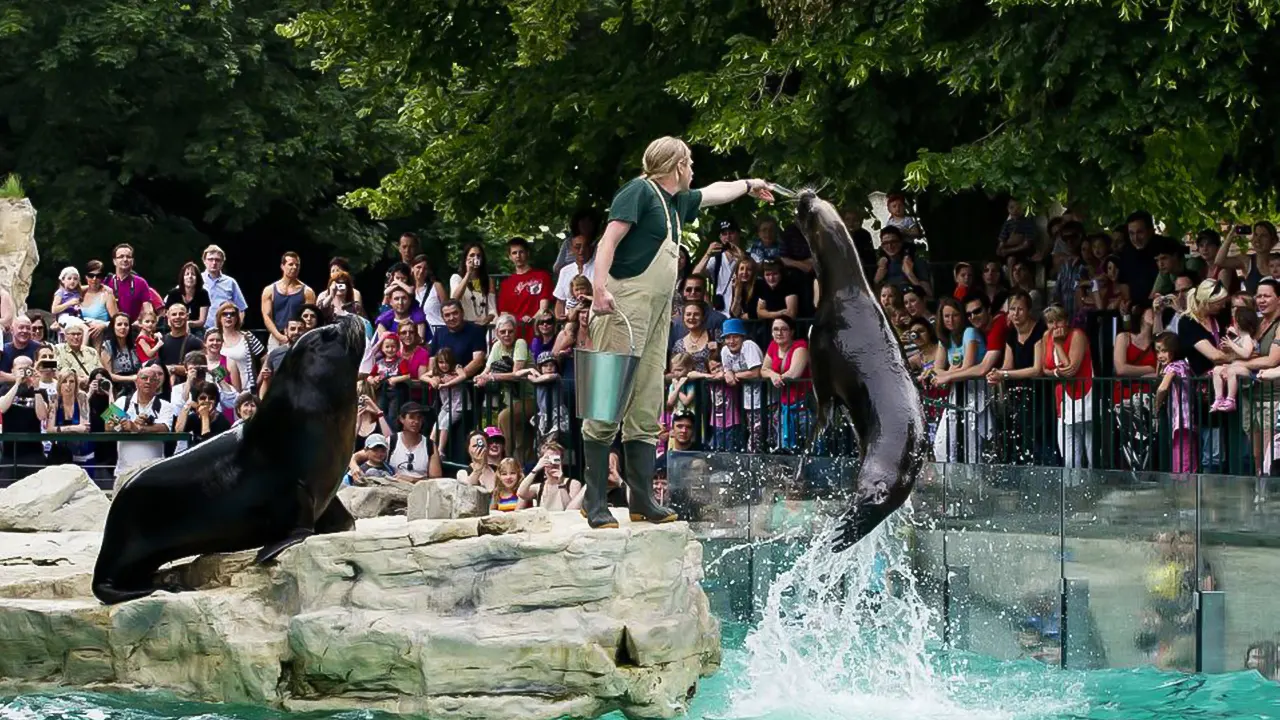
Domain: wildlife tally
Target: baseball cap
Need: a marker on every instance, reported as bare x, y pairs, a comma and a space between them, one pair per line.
494, 433
733, 326
375, 440
546, 356
729, 224
412, 408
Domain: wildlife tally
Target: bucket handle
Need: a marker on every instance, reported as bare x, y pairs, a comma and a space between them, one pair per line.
630, 333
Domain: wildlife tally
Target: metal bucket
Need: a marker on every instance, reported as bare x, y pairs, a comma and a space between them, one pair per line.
603, 380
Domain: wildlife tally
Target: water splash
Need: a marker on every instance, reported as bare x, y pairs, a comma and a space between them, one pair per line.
849, 636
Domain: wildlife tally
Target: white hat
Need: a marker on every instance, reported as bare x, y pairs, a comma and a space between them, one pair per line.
375, 440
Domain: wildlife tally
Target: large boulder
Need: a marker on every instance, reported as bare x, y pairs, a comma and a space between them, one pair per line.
375, 501
60, 498
18, 252
527, 615
445, 498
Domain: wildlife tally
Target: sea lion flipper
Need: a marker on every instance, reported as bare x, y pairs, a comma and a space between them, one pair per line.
270, 552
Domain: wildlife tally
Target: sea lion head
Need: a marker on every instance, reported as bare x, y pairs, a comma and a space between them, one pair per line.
336, 348
822, 227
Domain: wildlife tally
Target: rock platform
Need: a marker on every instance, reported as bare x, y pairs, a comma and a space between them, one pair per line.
520, 616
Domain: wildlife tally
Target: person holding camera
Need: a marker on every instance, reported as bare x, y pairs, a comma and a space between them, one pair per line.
472, 286
18, 408
142, 411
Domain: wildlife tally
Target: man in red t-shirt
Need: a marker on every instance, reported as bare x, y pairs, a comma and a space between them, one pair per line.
527, 291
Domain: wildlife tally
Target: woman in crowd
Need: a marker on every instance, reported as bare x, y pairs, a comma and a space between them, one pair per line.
40, 323
572, 336
117, 354
1198, 332
1028, 402
67, 411
1107, 290
993, 283
428, 291
342, 265
238, 346
338, 296
776, 297
478, 471
1254, 266
369, 417
226, 375
1258, 405
890, 299
101, 396
544, 334
1134, 358
98, 303
917, 305
1066, 357
960, 347
473, 286
201, 416
1024, 278
897, 264
68, 298
744, 289
697, 342
190, 292
787, 361
547, 487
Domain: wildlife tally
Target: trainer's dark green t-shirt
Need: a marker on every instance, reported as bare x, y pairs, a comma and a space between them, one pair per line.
638, 204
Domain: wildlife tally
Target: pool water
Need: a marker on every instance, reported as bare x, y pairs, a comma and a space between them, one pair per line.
839, 637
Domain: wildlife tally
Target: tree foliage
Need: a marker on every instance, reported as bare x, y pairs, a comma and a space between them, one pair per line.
518, 110
165, 124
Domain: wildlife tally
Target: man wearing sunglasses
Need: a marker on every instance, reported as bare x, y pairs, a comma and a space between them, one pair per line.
993, 326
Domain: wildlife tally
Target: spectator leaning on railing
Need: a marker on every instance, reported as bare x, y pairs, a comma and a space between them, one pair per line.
1067, 357
464, 339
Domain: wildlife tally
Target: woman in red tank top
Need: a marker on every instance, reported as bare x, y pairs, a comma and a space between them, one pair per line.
1066, 356
1135, 356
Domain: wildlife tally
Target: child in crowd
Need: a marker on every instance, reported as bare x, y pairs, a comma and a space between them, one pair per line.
506, 496
580, 288
375, 465
1175, 386
148, 344
553, 414
386, 371
547, 487
448, 399
963, 274
1240, 343
680, 394
67, 299
898, 217
1273, 265
726, 410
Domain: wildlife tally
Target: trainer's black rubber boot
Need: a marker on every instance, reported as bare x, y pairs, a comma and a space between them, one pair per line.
595, 503
640, 459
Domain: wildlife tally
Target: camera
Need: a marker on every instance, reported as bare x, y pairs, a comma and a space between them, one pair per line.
340, 286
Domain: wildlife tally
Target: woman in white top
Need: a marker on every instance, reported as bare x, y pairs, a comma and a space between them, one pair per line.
473, 287
239, 346
428, 291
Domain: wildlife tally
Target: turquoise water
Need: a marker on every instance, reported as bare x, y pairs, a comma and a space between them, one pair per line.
981, 689
840, 637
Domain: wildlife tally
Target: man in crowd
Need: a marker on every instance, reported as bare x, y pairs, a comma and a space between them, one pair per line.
1064, 290
720, 262
635, 268
284, 299
221, 287
132, 291
1138, 257
682, 433
75, 353
21, 346
695, 291
1169, 254
176, 343
144, 411
527, 291
465, 340
18, 409
292, 331
583, 264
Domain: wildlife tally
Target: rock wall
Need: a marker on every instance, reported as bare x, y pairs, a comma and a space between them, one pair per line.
18, 252
524, 615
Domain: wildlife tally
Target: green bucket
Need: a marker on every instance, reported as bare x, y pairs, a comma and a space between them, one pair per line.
603, 380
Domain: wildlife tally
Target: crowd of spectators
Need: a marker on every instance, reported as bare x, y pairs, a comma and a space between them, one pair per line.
1035, 355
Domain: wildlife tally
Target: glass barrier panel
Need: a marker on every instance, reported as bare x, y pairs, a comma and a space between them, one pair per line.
1124, 536
1239, 538
1003, 561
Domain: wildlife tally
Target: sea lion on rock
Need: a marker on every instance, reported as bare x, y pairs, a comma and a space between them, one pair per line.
270, 482
857, 362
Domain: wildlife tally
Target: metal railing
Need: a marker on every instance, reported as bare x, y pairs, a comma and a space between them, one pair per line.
19, 461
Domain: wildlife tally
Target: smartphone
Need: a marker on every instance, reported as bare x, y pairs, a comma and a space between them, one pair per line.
1243, 229
47, 365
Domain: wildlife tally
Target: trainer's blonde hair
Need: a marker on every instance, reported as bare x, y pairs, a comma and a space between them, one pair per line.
664, 155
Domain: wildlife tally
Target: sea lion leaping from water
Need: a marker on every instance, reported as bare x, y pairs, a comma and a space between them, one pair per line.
857, 362
269, 483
